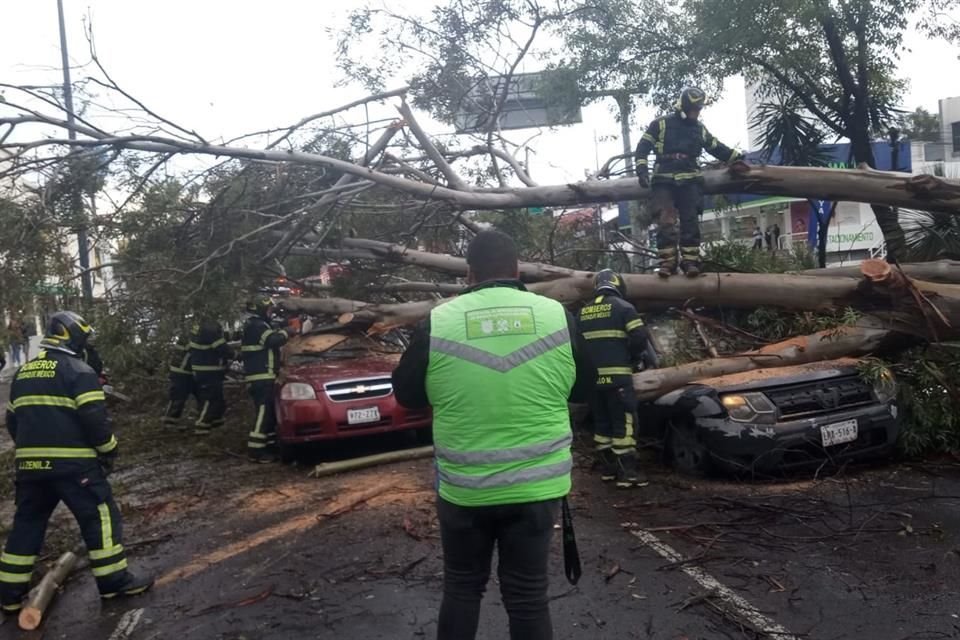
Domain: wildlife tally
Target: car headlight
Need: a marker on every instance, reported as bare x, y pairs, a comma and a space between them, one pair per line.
750, 407
297, 391
885, 387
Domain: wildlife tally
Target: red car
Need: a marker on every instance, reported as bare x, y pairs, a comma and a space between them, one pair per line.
337, 385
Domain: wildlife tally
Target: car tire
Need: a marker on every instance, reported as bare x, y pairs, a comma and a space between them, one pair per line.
288, 453
688, 454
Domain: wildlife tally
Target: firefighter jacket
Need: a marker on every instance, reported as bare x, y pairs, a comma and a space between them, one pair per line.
677, 143
260, 349
615, 338
498, 365
180, 358
209, 351
92, 358
57, 416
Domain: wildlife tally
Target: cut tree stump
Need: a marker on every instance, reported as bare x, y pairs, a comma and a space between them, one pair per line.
41, 595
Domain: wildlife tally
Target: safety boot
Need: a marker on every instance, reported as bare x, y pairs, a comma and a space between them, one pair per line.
132, 585
628, 475
668, 263
607, 462
690, 261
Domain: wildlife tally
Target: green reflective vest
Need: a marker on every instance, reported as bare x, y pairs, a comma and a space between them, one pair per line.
501, 370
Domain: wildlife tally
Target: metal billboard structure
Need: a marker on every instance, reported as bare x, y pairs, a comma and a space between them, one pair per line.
524, 106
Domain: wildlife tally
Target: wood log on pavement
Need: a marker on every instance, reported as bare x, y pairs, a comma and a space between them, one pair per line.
41, 595
330, 468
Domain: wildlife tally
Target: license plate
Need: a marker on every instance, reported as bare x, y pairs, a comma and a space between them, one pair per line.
363, 416
839, 432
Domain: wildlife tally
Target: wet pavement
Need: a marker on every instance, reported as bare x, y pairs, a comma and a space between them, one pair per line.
251, 551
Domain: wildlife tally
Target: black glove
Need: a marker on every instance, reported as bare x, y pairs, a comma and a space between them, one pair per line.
107, 461
643, 177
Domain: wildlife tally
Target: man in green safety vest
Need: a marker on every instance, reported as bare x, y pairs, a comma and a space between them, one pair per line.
498, 365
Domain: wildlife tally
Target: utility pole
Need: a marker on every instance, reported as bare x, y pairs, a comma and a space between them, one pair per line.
76, 201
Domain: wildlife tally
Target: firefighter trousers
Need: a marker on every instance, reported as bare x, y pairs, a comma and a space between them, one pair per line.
676, 208
91, 502
209, 390
264, 434
181, 388
614, 411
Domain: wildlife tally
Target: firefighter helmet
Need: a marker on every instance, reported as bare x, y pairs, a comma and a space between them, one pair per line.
260, 306
691, 98
68, 329
609, 280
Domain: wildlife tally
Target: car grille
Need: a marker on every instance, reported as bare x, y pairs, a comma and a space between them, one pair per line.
362, 389
820, 397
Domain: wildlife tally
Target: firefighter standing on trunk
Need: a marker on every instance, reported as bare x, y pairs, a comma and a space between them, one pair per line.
65, 447
261, 360
181, 381
209, 355
617, 342
677, 140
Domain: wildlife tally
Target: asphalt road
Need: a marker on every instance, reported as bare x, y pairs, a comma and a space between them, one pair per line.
255, 552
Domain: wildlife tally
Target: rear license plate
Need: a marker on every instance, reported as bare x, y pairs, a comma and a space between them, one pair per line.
839, 432
363, 416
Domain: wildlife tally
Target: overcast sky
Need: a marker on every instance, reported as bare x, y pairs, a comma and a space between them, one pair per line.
226, 67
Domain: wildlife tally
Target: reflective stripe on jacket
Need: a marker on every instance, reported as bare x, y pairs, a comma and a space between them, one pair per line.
501, 369
677, 143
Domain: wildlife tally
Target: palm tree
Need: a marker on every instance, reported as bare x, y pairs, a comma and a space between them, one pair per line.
930, 236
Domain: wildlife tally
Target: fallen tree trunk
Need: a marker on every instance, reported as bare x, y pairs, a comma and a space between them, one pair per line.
824, 345
945, 271
41, 595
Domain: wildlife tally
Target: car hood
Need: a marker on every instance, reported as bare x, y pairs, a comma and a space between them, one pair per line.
323, 371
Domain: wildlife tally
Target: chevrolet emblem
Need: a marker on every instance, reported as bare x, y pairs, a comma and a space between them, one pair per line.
359, 389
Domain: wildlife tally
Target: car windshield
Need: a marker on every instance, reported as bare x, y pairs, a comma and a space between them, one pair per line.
340, 347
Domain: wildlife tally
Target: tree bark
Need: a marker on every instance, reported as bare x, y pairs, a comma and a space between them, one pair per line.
945, 271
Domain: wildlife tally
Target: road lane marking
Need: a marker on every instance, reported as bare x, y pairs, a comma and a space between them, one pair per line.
739, 606
128, 622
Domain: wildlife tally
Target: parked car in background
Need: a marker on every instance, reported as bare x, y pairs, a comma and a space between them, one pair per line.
773, 420
336, 384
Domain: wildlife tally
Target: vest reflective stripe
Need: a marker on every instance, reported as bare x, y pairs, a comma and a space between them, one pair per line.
505, 363
179, 370
44, 401
507, 478
14, 578
55, 452
204, 367
493, 456
599, 335
260, 376
633, 324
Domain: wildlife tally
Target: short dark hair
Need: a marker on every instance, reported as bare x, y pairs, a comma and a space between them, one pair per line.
492, 255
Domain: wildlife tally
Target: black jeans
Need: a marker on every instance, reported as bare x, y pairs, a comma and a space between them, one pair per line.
673, 204
522, 534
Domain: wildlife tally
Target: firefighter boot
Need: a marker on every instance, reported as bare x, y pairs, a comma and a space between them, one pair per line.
607, 462
690, 261
628, 476
668, 263
132, 585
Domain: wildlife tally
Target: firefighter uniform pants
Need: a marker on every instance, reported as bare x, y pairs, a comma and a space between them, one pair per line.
264, 433
181, 388
674, 203
521, 534
614, 411
209, 392
90, 500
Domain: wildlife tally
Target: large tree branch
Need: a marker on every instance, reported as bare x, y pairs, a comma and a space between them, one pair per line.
454, 180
